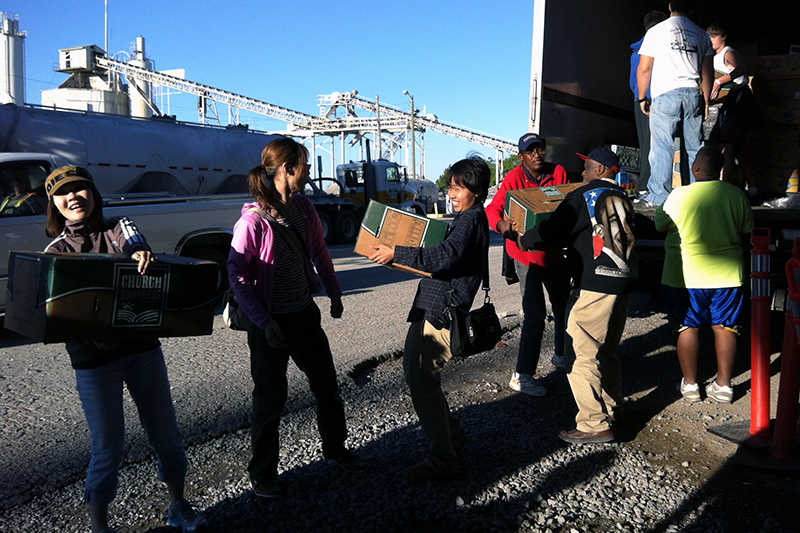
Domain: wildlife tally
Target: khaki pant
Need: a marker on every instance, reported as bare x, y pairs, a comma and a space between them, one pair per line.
594, 328
426, 351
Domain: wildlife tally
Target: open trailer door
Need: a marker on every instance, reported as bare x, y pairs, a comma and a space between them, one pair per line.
537, 54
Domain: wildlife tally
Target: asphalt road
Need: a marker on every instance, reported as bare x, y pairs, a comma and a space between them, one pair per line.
44, 441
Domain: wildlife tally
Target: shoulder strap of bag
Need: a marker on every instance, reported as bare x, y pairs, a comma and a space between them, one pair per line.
281, 230
484, 285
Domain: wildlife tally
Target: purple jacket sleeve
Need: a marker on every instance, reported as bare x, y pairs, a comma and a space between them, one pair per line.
251, 262
250, 265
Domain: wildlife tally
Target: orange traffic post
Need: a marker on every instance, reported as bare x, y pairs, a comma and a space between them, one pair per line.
789, 390
760, 300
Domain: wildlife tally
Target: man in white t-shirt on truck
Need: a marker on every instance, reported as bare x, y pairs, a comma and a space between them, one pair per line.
676, 64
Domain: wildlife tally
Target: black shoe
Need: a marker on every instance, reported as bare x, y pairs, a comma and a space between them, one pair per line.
575, 436
181, 514
460, 442
267, 488
348, 462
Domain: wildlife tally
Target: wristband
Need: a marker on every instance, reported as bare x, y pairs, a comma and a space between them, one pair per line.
717, 82
640, 100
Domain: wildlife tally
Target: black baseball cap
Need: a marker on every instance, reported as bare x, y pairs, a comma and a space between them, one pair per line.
528, 140
604, 156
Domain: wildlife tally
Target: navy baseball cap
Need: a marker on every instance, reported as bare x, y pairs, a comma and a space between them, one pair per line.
528, 140
604, 156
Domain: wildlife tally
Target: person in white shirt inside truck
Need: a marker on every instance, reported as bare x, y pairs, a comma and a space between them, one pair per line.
676, 66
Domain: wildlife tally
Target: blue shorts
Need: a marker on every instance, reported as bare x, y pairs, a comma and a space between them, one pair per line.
691, 308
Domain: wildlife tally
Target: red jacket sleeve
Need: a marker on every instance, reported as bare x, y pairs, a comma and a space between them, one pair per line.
496, 208
560, 175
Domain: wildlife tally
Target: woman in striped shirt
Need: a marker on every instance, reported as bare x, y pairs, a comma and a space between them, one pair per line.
277, 243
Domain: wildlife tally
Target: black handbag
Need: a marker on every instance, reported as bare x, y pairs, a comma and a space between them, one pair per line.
474, 332
232, 314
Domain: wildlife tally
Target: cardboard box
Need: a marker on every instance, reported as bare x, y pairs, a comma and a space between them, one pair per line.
101, 297
778, 67
529, 207
777, 91
630, 158
391, 226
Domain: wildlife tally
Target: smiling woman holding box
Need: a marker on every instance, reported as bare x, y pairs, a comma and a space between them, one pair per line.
461, 259
75, 218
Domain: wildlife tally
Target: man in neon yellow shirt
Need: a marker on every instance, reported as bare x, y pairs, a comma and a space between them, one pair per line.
704, 270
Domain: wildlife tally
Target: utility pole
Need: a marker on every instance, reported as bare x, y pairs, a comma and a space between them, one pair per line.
413, 142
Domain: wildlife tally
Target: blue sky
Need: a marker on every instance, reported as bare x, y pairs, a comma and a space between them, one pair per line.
468, 62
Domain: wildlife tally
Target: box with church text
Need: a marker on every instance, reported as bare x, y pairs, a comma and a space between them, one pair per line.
100, 297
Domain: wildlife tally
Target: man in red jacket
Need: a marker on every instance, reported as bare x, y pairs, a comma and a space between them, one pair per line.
536, 270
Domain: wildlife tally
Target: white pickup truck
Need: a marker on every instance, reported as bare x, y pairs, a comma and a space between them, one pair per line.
192, 226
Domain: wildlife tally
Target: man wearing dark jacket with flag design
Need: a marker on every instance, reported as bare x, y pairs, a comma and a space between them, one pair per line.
595, 222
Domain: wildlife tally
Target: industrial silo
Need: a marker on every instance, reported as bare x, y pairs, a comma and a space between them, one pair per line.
12, 66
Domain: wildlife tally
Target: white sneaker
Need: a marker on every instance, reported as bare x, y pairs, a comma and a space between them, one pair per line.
526, 384
558, 361
718, 393
644, 203
690, 393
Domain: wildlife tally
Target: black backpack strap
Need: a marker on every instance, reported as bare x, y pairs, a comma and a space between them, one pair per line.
283, 232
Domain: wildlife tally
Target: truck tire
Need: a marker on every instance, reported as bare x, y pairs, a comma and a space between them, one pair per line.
327, 227
345, 225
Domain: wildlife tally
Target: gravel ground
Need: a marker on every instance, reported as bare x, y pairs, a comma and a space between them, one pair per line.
666, 472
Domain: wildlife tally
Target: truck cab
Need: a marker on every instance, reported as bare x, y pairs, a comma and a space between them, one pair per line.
23, 231
28, 170
383, 181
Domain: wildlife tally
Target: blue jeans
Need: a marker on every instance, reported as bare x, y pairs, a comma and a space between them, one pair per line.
100, 390
309, 348
643, 133
666, 113
533, 280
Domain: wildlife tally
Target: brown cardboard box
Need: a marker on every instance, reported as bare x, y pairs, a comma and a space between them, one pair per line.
390, 226
777, 91
724, 89
778, 67
528, 207
101, 297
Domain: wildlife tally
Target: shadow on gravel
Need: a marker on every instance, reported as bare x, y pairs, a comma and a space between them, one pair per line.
736, 499
742, 500
8, 338
510, 467
366, 278
739, 499
514, 467
521, 433
650, 365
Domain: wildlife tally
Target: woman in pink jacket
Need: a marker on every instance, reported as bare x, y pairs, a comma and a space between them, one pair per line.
277, 243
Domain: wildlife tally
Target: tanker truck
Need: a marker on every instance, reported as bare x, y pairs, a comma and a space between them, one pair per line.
183, 184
